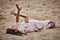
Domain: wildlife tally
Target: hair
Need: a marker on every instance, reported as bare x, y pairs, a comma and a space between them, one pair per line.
10, 31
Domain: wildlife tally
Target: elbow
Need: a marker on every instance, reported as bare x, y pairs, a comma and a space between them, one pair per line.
26, 16
26, 19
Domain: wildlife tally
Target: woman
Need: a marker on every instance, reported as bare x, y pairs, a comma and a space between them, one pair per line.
30, 25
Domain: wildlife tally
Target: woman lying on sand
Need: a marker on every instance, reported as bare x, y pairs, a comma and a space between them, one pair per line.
29, 25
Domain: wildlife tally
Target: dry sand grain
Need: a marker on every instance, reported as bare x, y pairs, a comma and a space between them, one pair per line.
35, 9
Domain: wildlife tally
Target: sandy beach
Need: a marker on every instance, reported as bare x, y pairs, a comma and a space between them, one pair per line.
35, 9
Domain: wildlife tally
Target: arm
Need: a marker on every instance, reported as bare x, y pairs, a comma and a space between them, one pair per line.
17, 15
26, 17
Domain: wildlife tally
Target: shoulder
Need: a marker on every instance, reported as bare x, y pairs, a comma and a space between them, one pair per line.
33, 20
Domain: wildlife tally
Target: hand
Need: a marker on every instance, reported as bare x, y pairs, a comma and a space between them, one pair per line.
18, 7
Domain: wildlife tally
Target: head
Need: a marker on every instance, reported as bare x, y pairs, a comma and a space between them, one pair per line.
10, 31
14, 30
15, 27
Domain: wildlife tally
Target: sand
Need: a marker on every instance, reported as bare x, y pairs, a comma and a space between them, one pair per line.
35, 9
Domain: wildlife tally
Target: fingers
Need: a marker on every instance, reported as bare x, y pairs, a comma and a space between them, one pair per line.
18, 7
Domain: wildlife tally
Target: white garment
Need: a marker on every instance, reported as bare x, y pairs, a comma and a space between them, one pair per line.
32, 25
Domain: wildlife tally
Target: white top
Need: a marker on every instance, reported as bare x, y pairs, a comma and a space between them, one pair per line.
32, 25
